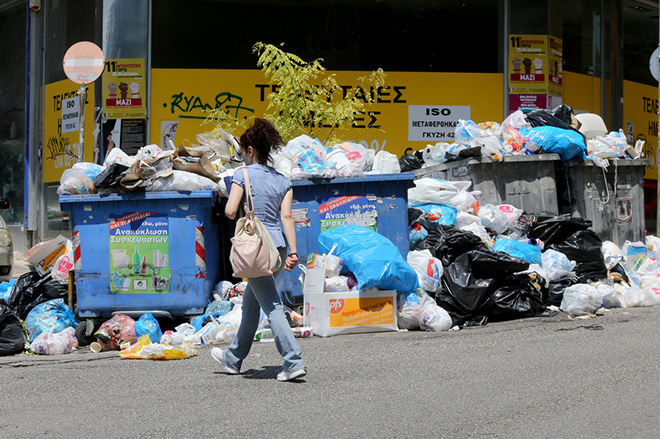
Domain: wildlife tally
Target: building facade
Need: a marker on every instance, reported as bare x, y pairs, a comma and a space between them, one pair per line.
167, 61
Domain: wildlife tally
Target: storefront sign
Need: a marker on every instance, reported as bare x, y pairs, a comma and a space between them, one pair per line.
182, 96
62, 149
71, 115
640, 117
124, 89
434, 123
139, 253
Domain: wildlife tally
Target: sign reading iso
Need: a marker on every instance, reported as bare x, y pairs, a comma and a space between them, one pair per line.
435, 123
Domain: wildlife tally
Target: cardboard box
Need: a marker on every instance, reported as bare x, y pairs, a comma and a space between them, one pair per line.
347, 312
45, 256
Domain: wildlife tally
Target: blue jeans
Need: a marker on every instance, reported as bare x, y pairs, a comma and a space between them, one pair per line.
261, 293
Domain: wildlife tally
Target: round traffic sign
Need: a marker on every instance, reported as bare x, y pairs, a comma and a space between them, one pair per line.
84, 62
654, 64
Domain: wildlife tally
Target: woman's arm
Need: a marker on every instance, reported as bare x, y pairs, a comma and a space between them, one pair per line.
234, 201
289, 230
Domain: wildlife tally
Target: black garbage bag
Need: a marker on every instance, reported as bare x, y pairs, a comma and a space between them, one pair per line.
111, 176
12, 338
469, 281
523, 225
448, 242
555, 291
31, 289
561, 116
475, 151
552, 229
583, 247
410, 162
516, 298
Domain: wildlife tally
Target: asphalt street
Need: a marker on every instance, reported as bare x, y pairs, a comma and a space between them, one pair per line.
536, 378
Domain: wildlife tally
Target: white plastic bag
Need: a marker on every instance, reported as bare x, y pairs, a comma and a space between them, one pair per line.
581, 299
59, 343
635, 254
515, 120
229, 324
336, 284
611, 298
635, 297
182, 181
512, 213
493, 219
386, 163
435, 191
429, 269
116, 155
465, 201
75, 182
435, 154
653, 244
557, 265
434, 318
411, 307
465, 218
612, 254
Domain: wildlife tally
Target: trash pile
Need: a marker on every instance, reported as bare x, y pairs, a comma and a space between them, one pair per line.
539, 131
485, 263
205, 166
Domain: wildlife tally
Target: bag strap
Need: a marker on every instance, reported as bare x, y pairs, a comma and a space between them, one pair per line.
248, 192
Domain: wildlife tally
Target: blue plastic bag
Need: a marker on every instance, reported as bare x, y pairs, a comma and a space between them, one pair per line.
529, 252
147, 324
52, 316
443, 213
5, 289
372, 258
219, 308
568, 144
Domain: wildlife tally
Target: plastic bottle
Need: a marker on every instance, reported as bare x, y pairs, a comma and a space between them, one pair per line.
137, 261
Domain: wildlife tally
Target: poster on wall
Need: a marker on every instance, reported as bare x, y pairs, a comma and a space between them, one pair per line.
535, 71
124, 89
348, 210
139, 253
180, 99
62, 147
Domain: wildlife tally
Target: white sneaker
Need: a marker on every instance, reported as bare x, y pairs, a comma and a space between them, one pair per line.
289, 376
219, 356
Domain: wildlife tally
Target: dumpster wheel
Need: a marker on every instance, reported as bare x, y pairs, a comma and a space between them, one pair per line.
85, 332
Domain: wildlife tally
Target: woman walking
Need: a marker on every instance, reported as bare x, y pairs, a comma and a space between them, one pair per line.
272, 196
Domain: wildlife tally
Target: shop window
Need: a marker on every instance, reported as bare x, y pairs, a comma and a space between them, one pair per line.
12, 111
397, 35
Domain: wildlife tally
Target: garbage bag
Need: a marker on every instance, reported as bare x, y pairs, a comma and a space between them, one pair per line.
218, 308
448, 242
435, 318
557, 265
371, 257
561, 116
529, 252
147, 324
516, 298
111, 176
410, 162
386, 163
75, 182
49, 343
410, 308
441, 213
470, 280
493, 218
636, 297
112, 333
523, 226
5, 289
552, 229
581, 299
464, 153
429, 269
583, 247
555, 292
32, 289
569, 144
51, 316
12, 339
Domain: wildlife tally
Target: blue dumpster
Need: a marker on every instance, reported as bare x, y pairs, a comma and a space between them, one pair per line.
379, 202
140, 252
